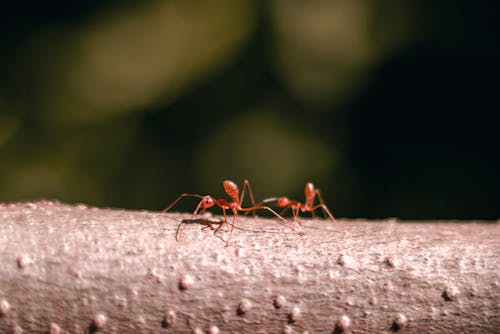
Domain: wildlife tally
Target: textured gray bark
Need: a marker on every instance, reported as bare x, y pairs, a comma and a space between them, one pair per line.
78, 270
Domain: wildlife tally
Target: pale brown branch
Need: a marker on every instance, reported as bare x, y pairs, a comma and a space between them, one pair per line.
74, 269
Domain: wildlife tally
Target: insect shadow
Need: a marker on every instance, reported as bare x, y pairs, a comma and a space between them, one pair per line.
213, 225
207, 223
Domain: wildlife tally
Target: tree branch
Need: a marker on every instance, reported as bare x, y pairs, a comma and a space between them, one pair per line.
74, 269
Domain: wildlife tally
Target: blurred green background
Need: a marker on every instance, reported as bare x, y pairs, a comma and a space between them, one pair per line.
388, 106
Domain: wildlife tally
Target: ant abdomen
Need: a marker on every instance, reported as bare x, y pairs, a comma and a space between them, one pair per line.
231, 189
309, 191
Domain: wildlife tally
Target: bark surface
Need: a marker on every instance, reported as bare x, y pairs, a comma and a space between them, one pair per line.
76, 269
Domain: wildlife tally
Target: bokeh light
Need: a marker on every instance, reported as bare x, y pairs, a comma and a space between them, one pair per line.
385, 105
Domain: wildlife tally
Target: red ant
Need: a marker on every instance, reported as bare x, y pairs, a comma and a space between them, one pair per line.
308, 206
233, 192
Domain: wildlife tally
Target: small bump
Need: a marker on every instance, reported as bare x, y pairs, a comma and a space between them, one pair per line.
186, 282
170, 318
217, 257
279, 301
153, 273
389, 262
121, 302
4, 307
343, 324
345, 260
331, 275
54, 328
197, 330
400, 322
294, 315
23, 261
139, 321
99, 321
213, 330
287, 329
75, 272
388, 286
299, 269
244, 306
238, 252
450, 293
16, 329
133, 292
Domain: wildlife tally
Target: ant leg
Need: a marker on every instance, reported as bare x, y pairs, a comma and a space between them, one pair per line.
195, 212
296, 211
178, 199
325, 210
263, 207
267, 200
232, 227
323, 205
225, 220
246, 185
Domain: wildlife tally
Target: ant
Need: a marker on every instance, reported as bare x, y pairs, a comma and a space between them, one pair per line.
308, 206
234, 205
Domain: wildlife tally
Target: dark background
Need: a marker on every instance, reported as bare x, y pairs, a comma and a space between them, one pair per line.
388, 107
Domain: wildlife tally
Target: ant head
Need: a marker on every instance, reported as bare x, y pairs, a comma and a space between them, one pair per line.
309, 190
207, 202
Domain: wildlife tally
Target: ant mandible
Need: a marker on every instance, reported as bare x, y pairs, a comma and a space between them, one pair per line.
234, 205
296, 207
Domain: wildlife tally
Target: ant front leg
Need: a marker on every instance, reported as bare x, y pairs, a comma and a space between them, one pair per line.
323, 206
263, 207
235, 213
246, 185
224, 222
295, 212
179, 198
325, 211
